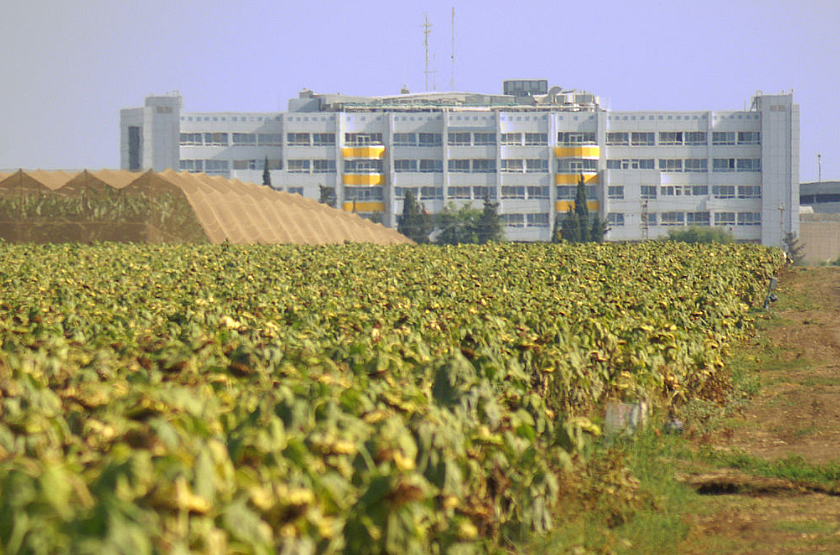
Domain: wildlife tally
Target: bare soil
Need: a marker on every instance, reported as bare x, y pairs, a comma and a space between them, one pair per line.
795, 413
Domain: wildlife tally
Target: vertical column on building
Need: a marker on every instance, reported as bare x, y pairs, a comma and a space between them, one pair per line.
779, 168
444, 145
339, 159
389, 194
552, 169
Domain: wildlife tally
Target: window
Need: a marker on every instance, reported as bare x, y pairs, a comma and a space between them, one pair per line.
405, 139
216, 166
615, 219
671, 190
749, 138
591, 192
296, 191
537, 220
216, 139
362, 139
696, 165
484, 192
405, 166
723, 191
618, 139
536, 165
642, 139
536, 139
748, 191
484, 139
749, 164
270, 139
323, 166
431, 193
671, 165
672, 218
401, 191
429, 139
724, 218
192, 166
615, 192
513, 192
537, 192
431, 166
297, 139
749, 218
670, 138
512, 139
249, 165
323, 139
648, 191
363, 166
459, 166
699, 190
298, 166
630, 164
244, 139
512, 166
484, 166
697, 218
459, 192
651, 218
459, 139
723, 138
513, 220
364, 193
566, 192
723, 165
575, 138
576, 165
695, 138
191, 139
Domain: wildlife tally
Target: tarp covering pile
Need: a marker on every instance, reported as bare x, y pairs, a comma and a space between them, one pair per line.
110, 205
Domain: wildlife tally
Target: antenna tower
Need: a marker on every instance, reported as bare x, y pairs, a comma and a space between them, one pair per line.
819, 168
452, 55
427, 30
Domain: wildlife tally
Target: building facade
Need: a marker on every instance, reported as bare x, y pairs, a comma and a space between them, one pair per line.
645, 172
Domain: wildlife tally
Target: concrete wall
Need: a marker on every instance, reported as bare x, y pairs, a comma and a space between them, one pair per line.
820, 235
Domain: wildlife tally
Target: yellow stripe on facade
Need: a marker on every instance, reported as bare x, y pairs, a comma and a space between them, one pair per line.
363, 179
587, 152
364, 206
573, 178
363, 151
566, 205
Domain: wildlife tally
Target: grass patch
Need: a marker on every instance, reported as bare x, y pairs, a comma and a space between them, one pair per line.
793, 468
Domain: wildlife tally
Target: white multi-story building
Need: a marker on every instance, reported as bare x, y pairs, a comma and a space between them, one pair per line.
646, 172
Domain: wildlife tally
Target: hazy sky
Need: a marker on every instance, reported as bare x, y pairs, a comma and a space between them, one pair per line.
67, 67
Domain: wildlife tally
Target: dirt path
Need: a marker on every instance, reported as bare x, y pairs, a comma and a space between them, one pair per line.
796, 413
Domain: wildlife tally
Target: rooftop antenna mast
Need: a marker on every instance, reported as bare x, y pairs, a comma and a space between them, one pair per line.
452, 55
427, 30
819, 168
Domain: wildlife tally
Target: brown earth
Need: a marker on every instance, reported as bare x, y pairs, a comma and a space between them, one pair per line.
796, 413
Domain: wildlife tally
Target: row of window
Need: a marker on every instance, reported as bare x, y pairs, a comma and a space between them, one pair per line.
683, 138
461, 193
525, 220
205, 166
616, 192
228, 139
686, 165
616, 219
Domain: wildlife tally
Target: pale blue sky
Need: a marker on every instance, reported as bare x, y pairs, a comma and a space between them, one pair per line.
68, 67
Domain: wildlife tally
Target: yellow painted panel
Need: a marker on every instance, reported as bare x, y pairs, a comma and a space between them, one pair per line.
587, 152
566, 205
573, 178
363, 179
365, 206
363, 151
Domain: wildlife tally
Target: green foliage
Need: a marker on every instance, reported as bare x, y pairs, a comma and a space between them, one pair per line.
415, 223
490, 223
794, 248
327, 196
266, 174
579, 226
335, 399
695, 234
467, 225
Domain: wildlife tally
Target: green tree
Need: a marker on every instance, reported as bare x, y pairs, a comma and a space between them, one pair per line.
327, 195
582, 211
415, 223
694, 234
489, 223
458, 226
598, 230
266, 174
570, 228
794, 248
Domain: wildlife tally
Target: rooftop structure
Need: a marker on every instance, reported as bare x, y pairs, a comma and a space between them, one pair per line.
526, 149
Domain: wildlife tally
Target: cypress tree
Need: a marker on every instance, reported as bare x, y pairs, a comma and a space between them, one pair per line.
415, 223
582, 212
266, 174
490, 223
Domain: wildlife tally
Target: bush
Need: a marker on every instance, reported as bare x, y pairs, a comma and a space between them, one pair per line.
701, 235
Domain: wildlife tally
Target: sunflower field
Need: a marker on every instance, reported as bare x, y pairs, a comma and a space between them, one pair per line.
335, 399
